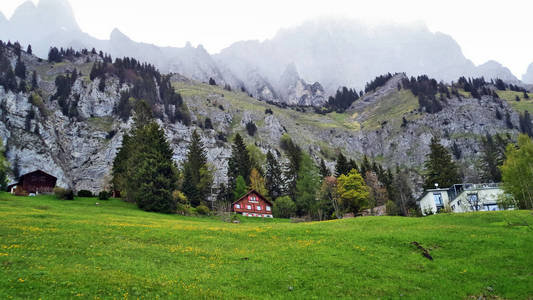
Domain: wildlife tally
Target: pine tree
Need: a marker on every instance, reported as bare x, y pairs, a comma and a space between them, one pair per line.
20, 69
34, 83
239, 164
10, 81
440, 169
525, 124
194, 170
491, 160
307, 186
240, 188
324, 170
294, 155
342, 166
153, 174
3, 167
273, 177
29, 50
143, 168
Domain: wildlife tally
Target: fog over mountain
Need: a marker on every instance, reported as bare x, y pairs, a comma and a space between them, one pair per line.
528, 76
298, 65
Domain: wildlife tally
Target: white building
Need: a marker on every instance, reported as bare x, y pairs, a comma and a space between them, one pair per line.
461, 198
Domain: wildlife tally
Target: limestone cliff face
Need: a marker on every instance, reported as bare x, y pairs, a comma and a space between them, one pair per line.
80, 150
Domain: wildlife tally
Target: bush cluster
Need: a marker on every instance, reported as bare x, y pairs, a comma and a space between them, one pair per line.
63, 194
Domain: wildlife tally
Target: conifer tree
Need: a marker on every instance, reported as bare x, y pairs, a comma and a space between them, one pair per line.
144, 168
197, 177
294, 154
20, 69
307, 185
491, 160
29, 50
440, 169
240, 188
342, 166
239, 163
34, 83
273, 177
3, 167
324, 170
10, 81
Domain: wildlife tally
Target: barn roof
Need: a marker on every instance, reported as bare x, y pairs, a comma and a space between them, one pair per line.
37, 172
257, 193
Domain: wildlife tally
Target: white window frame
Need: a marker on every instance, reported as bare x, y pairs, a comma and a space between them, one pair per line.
268, 208
258, 207
237, 206
248, 206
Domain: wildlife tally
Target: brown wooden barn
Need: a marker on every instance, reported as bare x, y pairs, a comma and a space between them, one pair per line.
253, 204
36, 181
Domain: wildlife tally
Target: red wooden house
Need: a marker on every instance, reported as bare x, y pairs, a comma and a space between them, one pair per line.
253, 204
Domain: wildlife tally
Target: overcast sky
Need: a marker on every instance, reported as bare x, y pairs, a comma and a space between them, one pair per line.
485, 29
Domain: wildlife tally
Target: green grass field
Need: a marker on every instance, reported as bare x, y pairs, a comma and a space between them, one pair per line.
53, 249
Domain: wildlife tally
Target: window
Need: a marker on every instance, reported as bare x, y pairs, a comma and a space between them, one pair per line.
453, 207
253, 199
458, 202
491, 207
258, 207
237, 206
248, 206
438, 201
268, 208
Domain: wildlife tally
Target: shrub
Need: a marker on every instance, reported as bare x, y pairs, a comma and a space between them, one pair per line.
284, 207
202, 210
251, 128
184, 209
85, 193
180, 197
64, 194
103, 195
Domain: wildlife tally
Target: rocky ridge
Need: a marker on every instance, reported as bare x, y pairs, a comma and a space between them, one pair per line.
80, 151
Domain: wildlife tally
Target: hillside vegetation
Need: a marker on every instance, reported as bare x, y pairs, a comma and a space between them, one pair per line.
68, 249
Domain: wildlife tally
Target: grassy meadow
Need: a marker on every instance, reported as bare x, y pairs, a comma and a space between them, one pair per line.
53, 249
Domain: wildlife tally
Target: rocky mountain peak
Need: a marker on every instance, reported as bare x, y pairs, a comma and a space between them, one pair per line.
528, 76
117, 35
493, 69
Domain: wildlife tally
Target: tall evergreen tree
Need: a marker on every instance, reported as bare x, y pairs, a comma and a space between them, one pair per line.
143, 169
29, 50
324, 170
34, 83
525, 124
307, 186
273, 177
294, 154
239, 164
491, 160
3, 167
240, 188
196, 172
342, 166
20, 69
439, 167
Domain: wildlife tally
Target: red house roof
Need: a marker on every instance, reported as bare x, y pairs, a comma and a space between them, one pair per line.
253, 204
255, 192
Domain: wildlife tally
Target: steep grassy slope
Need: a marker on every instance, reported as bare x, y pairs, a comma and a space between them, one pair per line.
54, 249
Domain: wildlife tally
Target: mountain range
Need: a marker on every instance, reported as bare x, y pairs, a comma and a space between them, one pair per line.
298, 66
